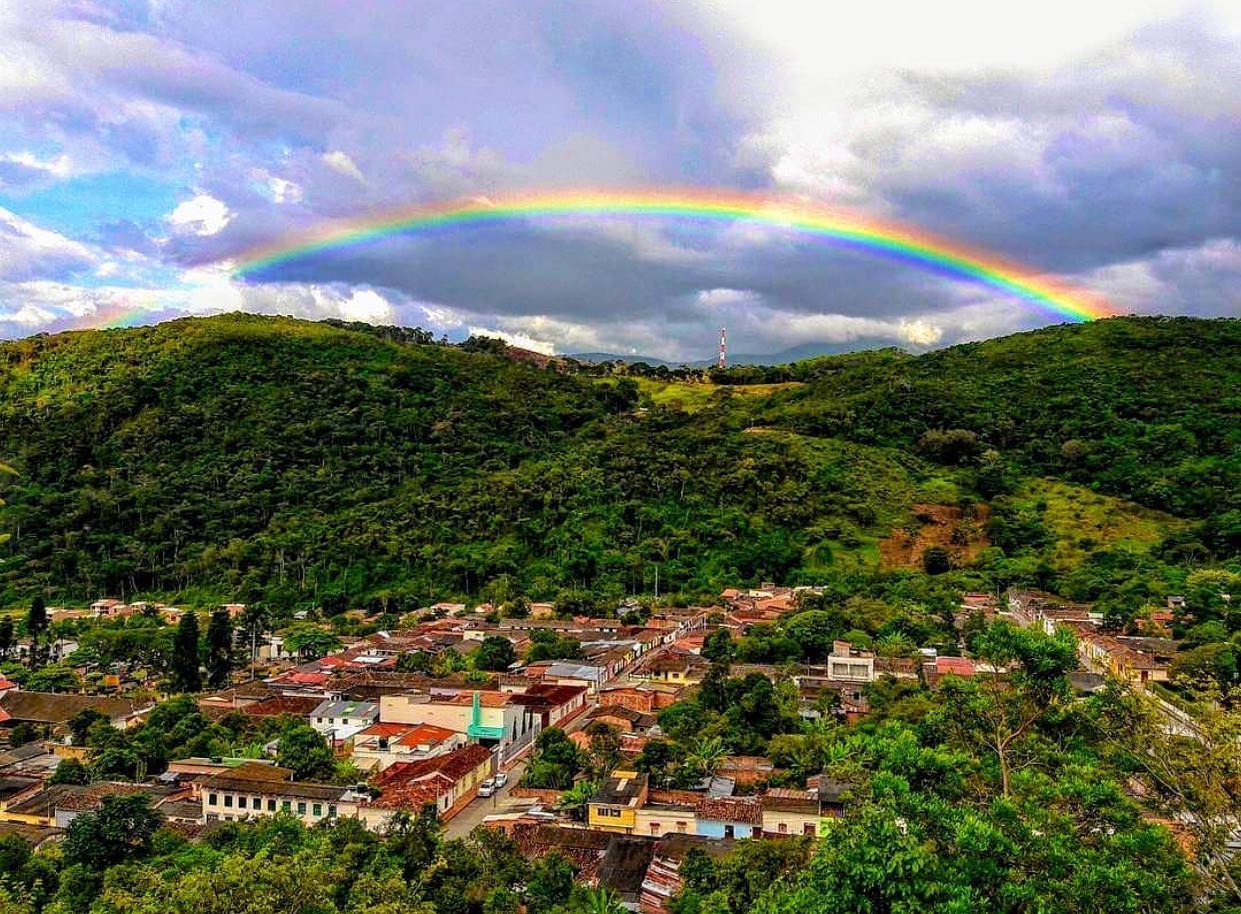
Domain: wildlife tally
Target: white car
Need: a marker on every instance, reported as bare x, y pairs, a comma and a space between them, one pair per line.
501, 779
487, 788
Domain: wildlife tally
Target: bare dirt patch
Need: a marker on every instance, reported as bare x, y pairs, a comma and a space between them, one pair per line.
961, 534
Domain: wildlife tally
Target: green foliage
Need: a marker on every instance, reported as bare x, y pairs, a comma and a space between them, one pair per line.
304, 751
554, 763
294, 464
119, 831
70, 771
185, 674
494, 654
219, 649
550, 645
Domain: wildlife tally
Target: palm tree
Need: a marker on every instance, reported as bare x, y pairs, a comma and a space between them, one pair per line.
706, 754
897, 644
575, 800
600, 900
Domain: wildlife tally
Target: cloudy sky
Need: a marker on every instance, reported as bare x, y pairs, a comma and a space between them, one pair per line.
144, 143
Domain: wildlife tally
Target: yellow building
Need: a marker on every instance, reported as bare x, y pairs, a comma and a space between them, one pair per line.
614, 807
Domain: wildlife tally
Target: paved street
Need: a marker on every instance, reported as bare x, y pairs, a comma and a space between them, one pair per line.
472, 816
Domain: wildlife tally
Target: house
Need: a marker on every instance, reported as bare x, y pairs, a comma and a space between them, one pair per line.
622, 719
1135, 660
746, 770
668, 812
623, 868
615, 804
57, 805
729, 817
673, 666
194, 770
832, 794
448, 782
341, 720
254, 791
54, 709
791, 812
282, 705
650, 697
381, 745
663, 878
554, 704
850, 665
935, 670
488, 717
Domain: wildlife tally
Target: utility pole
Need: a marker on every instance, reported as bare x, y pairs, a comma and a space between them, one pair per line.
723, 347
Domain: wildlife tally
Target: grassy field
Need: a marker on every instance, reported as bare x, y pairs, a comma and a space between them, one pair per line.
692, 397
1080, 520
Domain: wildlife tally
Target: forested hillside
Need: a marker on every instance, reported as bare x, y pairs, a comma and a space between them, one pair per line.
300, 463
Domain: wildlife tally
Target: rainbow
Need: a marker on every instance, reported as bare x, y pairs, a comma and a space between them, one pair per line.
903, 243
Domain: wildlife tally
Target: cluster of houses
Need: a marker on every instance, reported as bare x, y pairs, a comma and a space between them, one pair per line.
419, 739
1135, 659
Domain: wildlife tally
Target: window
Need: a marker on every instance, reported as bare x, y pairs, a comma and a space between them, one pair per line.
271, 805
301, 809
654, 828
213, 799
228, 800
729, 831
285, 805
241, 802
331, 811
784, 828
808, 829
681, 827
318, 809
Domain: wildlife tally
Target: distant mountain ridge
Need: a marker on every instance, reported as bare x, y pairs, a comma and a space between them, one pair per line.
259, 459
797, 353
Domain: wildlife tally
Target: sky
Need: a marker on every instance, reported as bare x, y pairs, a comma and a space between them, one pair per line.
145, 145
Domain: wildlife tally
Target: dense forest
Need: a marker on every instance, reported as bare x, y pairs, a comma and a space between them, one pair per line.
300, 464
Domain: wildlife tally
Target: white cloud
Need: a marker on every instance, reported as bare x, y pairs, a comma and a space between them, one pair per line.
717, 298
27, 250
201, 215
341, 162
520, 340
27, 316
921, 332
367, 305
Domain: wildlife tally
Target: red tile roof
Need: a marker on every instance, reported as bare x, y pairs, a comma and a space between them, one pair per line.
731, 809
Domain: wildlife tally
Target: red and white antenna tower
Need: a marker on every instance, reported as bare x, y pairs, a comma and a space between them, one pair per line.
723, 347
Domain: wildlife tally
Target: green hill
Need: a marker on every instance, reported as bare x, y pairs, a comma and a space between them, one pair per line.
298, 463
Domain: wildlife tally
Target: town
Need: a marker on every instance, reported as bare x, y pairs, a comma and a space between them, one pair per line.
581, 735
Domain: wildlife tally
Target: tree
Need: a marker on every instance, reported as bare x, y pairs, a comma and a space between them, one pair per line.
718, 645
308, 640
36, 625
601, 900
997, 713
7, 637
935, 560
576, 799
495, 654
304, 750
184, 671
219, 649
81, 722
120, 830
1193, 776
70, 771
550, 883
705, 754
555, 761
